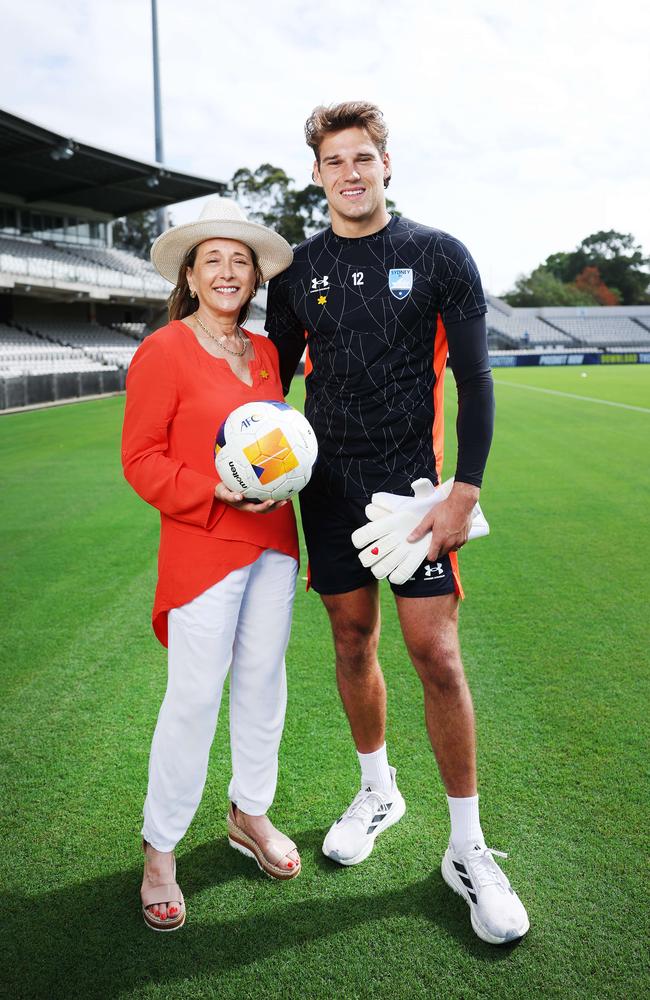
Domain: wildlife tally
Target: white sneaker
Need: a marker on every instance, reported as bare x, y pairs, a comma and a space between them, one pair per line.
352, 837
498, 915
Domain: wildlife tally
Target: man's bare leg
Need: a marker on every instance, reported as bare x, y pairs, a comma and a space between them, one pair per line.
430, 629
355, 620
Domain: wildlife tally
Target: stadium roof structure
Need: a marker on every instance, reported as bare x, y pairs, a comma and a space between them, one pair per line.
44, 169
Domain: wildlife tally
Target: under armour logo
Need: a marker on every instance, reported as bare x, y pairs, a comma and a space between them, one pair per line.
436, 570
317, 283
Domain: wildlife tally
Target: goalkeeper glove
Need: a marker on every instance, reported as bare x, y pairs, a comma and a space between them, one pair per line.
392, 518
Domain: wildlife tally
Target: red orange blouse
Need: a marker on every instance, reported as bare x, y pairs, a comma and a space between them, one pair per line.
177, 396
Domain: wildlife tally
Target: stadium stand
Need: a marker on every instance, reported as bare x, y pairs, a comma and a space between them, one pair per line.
73, 307
107, 346
84, 265
525, 328
137, 330
607, 328
620, 331
22, 353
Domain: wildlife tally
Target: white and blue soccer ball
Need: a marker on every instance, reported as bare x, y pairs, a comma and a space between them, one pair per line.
265, 450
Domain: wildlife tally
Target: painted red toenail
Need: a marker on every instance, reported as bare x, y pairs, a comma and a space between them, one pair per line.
173, 910
164, 916
156, 913
289, 864
375, 551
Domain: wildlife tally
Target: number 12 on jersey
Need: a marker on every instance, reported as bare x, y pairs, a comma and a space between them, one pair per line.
357, 278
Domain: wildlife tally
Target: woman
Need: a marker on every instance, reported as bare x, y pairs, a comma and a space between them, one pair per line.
226, 567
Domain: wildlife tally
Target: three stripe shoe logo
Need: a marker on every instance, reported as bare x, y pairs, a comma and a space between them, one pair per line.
465, 879
380, 816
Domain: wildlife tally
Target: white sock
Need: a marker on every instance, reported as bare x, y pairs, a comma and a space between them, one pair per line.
465, 822
374, 769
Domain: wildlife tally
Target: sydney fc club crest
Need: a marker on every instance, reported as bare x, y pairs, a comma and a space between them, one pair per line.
400, 281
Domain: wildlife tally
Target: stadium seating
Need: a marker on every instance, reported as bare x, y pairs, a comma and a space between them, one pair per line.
619, 331
599, 328
526, 328
117, 260
137, 330
102, 344
106, 267
22, 353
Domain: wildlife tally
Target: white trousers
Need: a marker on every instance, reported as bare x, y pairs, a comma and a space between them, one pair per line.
240, 624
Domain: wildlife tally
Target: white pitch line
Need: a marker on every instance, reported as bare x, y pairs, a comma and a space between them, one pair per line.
573, 395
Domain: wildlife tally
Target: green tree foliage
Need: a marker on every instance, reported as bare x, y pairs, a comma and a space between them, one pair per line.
268, 196
606, 268
620, 261
542, 288
136, 233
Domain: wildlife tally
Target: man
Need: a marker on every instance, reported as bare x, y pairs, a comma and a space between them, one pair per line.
380, 300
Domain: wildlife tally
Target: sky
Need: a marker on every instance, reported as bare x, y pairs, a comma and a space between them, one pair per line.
518, 127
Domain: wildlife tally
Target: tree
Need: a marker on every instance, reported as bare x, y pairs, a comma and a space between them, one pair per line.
136, 232
619, 259
606, 268
590, 281
267, 195
542, 288
621, 263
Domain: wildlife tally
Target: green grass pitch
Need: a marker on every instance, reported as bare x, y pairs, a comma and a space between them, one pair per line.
555, 640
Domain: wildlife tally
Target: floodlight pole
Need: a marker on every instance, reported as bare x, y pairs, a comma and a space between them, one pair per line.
161, 213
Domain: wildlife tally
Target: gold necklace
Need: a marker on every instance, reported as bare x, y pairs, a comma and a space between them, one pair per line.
221, 341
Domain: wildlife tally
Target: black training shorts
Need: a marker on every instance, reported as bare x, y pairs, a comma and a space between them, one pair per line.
334, 566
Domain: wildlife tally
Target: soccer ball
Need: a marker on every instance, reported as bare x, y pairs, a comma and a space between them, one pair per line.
265, 450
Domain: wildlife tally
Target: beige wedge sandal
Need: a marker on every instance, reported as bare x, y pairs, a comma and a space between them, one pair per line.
242, 841
163, 892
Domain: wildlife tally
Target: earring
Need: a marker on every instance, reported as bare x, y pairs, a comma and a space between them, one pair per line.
192, 293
